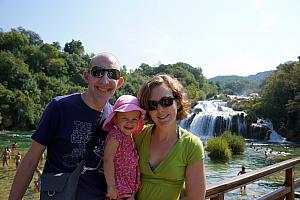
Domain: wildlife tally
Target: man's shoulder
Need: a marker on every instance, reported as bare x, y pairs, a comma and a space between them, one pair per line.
69, 97
67, 100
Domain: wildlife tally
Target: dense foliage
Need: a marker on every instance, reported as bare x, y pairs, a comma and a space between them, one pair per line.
218, 149
279, 100
191, 78
225, 145
236, 143
33, 72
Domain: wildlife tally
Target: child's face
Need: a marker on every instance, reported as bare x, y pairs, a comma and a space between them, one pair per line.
127, 121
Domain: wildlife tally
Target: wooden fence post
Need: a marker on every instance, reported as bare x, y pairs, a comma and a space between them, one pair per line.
289, 181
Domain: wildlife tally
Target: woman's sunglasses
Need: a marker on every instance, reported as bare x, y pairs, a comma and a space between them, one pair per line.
164, 102
99, 72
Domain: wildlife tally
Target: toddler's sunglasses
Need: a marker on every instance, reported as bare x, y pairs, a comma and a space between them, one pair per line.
99, 72
164, 102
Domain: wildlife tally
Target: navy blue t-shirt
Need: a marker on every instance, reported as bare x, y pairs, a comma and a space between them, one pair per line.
66, 128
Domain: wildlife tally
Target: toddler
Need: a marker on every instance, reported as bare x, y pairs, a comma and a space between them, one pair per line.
121, 165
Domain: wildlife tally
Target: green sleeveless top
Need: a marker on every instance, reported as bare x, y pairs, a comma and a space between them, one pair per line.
165, 181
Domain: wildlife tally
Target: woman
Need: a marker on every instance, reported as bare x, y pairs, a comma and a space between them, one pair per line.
169, 155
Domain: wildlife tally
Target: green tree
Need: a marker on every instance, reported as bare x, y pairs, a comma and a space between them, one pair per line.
279, 89
6, 99
13, 41
75, 67
56, 45
50, 51
56, 67
33, 37
14, 72
74, 47
24, 111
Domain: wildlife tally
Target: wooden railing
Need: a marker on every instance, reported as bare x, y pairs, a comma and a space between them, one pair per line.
216, 191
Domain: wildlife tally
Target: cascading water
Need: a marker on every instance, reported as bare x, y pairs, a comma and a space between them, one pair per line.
214, 117
263, 129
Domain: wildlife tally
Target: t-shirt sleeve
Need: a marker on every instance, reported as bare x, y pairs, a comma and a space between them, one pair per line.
195, 150
138, 138
47, 126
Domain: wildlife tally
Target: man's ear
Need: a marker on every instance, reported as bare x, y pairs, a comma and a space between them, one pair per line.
120, 82
86, 75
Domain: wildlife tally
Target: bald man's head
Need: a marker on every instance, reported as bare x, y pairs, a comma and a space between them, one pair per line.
105, 60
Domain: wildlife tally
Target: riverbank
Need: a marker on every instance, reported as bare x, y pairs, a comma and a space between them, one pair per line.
7, 172
6, 132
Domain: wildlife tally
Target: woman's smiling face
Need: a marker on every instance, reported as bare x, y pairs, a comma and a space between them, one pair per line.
163, 116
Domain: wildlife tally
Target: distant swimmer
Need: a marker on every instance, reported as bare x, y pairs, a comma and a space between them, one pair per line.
243, 171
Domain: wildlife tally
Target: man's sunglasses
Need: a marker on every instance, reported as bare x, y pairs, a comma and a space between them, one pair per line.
99, 72
164, 102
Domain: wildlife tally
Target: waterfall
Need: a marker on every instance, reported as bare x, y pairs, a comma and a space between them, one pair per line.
213, 119
263, 129
275, 137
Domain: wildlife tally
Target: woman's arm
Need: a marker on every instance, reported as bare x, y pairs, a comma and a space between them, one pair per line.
109, 167
195, 181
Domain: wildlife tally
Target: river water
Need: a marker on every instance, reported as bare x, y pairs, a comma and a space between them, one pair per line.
253, 158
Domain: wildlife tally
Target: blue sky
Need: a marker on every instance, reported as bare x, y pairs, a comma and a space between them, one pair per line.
223, 37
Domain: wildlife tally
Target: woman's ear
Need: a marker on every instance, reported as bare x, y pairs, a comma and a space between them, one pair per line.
178, 104
120, 82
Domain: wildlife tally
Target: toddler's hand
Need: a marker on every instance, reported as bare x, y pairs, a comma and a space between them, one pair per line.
112, 192
131, 198
127, 196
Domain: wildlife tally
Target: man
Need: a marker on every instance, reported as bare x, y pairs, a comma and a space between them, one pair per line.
67, 127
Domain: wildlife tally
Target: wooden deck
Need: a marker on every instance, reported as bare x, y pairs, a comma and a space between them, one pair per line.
216, 191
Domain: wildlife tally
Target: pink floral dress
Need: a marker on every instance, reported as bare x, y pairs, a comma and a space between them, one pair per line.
127, 171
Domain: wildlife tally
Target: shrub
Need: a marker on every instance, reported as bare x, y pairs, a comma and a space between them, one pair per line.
236, 143
218, 149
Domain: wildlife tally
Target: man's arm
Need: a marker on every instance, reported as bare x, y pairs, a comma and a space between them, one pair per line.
25, 171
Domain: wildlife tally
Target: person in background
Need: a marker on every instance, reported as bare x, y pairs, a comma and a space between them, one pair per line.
38, 181
18, 158
9, 152
14, 146
67, 127
14, 149
121, 162
169, 155
5, 156
243, 171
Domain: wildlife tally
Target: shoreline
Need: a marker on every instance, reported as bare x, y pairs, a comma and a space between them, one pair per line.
6, 132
